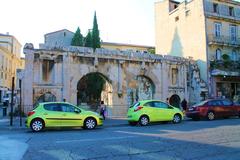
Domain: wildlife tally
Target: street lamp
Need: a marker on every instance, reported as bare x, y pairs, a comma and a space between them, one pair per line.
20, 76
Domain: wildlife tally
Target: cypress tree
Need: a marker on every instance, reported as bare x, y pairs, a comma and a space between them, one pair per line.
77, 39
95, 34
88, 39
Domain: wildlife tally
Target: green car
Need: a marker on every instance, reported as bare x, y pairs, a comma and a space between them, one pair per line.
61, 114
144, 112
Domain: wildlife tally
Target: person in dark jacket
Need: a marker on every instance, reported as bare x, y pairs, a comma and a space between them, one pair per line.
184, 104
102, 109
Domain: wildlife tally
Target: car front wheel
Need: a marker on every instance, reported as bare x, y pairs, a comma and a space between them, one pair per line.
90, 123
37, 125
144, 120
176, 118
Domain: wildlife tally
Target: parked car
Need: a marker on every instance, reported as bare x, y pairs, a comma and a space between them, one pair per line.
213, 108
61, 114
144, 112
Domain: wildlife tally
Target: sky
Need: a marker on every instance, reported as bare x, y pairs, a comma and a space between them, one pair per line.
121, 21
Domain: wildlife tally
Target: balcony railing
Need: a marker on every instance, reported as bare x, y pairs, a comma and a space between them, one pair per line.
223, 16
227, 67
223, 40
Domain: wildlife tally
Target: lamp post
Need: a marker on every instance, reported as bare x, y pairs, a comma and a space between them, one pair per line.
20, 76
11, 117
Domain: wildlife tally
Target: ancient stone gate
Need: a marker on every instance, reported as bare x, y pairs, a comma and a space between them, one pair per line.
56, 72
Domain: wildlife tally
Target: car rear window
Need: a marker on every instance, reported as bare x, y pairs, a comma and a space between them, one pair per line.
52, 107
200, 103
135, 105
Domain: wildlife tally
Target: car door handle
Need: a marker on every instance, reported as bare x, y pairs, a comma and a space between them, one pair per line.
64, 114
45, 114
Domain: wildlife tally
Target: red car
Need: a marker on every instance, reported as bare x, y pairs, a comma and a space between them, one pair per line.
213, 108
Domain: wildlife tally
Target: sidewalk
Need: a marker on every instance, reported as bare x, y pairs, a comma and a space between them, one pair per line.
5, 123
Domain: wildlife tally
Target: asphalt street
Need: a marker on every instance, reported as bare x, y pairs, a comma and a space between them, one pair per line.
190, 140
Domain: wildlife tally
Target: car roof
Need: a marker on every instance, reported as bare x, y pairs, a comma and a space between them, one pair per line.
150, 100
43, 103
218, 99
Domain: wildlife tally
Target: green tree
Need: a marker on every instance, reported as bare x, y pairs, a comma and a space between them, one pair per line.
88, 39
152, 50
95, 85
77, 39
95, 34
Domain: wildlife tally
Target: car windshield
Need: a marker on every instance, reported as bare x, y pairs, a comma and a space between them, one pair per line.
200, 103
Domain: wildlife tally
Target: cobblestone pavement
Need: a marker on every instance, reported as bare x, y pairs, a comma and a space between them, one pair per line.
190, 140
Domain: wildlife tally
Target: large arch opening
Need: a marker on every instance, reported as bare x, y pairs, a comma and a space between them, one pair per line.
92, 89
175, 100
142, 88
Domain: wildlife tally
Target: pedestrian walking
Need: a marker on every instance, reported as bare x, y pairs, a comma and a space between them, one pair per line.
184, 105
102, 109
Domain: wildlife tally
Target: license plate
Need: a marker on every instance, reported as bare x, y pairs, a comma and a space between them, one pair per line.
190, 109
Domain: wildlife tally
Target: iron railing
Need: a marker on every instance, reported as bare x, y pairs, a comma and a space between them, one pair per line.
224, 40
233, 66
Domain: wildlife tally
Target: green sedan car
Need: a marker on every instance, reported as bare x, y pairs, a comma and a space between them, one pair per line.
61, 114
144, 112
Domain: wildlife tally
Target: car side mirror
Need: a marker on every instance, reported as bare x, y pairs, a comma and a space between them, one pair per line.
170, 107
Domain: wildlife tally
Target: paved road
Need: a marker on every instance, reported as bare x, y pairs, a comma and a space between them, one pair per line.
190, 140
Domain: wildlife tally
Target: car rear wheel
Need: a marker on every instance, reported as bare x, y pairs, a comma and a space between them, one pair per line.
210, 116
177, 118
37, 125
90, 123
143, 120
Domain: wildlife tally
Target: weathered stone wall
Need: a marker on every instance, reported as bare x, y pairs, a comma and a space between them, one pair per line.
131, 76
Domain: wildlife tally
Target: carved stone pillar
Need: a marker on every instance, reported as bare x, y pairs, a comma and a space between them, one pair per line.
120, 83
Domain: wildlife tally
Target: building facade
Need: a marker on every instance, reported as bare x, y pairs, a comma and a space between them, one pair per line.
64, 38
10, 61
208, 31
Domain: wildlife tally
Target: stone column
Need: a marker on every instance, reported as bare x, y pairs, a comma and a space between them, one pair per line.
165, 81
120, 63
28, 80
66, 76
161, 74
186, 95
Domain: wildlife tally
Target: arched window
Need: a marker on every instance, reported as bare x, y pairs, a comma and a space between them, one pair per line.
218, 54
234, 55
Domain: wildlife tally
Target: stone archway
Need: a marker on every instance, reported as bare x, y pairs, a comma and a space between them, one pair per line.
93, 88
141, 88
175, 100
46, 97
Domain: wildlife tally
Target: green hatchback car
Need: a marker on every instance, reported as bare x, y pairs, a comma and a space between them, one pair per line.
144, 112
61, 114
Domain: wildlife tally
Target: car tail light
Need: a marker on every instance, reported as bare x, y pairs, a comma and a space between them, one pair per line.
197, 108
138, 108
30, 113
